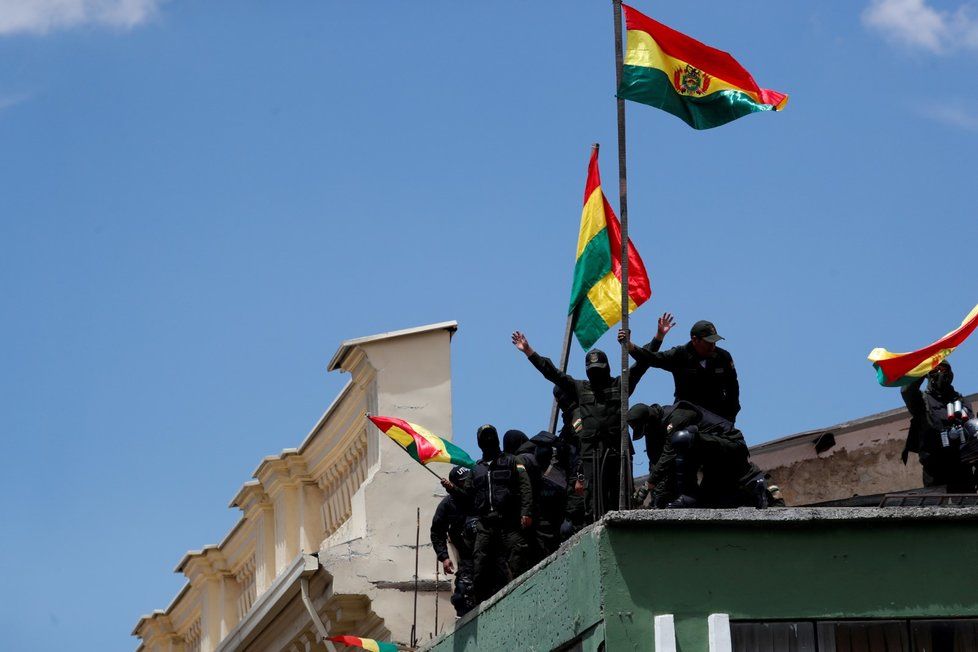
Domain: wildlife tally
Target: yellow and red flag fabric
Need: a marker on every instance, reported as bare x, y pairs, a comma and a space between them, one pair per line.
596, 293
421, 444
703, 86
365, 643
898, 369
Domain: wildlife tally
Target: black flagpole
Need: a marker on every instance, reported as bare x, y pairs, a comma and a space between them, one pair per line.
626, 457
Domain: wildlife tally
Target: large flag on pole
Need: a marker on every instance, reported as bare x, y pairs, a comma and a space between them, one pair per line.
701, 85
421, 444
596, 294
897, 369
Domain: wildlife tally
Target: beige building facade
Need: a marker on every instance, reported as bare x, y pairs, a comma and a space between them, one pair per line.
332, 522
855, 458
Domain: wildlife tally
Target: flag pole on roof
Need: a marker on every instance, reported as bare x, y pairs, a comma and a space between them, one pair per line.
625, 475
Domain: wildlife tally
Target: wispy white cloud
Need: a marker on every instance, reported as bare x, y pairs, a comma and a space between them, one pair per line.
918, 24
44, 16
7, 101
953, 114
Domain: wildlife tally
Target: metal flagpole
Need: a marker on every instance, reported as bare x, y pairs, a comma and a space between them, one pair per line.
626, 457
417, 549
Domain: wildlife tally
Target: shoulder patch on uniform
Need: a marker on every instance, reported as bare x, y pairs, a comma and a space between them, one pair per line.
521, 467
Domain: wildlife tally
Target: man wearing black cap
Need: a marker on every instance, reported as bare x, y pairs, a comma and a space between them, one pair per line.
934, 413
598, 402
703, 373
503, 503
455, 521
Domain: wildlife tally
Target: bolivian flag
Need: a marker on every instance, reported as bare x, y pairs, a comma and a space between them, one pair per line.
596, 294
365, 643
897, 369
421, 444
703, 86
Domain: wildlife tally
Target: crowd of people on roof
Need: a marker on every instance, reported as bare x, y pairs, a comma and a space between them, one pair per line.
526, 495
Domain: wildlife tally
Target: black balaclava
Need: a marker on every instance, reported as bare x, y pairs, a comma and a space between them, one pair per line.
597, 368
638, 416
544, 441
939, 382
513, 439
655, 427
488, 440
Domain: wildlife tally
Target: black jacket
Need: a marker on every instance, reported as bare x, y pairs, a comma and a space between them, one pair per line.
724, 437
449, 523
928, 417
605, 401
710, 383
502, 487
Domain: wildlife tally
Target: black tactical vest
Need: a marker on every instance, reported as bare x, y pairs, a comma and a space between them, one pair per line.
600, 413
496, 486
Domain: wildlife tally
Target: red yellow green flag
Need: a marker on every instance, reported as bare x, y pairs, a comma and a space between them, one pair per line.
897, 369
703, 86
421, 444
596, 293
365, 643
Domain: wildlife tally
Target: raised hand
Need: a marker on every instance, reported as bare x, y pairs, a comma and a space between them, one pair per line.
521, 343
623, 335
666, 322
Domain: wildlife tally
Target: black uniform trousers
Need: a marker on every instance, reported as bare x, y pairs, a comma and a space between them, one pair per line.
501, 553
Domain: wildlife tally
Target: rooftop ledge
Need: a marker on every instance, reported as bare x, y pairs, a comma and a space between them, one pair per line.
789, 515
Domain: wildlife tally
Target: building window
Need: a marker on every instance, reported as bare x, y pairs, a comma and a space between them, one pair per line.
959, 635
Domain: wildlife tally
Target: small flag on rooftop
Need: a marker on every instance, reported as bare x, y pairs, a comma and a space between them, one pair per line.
365, 643
420, 444
703, 86
897, 369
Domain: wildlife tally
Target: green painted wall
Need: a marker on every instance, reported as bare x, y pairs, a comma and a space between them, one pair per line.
611, 581
550, 606
781, 570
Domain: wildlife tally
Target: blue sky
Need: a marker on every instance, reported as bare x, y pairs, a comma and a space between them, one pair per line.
199, 201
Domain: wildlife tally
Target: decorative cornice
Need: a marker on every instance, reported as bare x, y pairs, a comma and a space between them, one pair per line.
206, 563
250, 498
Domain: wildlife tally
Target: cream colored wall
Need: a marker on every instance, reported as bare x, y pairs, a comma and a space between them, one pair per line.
865, 461
413, 383
347, 492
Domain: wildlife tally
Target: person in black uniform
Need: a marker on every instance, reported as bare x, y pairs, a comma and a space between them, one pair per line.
699, 441
517, 444
598, 401
552, 494
567, 456
704, 373
503, 499
934, 413
643, 427
455, 521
